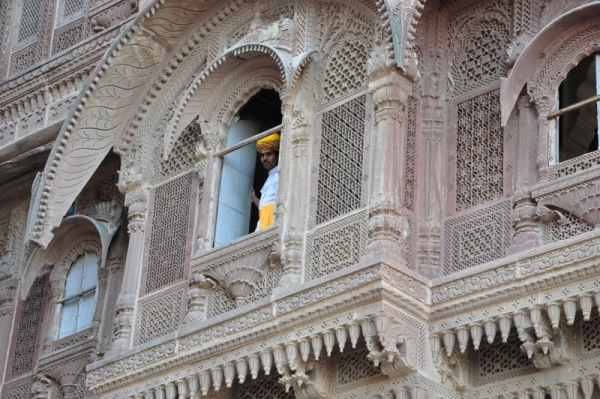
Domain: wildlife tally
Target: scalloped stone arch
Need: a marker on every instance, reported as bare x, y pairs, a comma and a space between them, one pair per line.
201, 94
565, 37
89, 243
236, 90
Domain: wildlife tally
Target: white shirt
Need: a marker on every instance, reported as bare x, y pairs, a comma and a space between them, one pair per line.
268, 192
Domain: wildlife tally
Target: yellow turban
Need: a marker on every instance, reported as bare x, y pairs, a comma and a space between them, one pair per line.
268, 143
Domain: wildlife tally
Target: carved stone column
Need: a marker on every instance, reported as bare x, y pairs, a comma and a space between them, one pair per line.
527, 232
114, 268
388, 228
54, 294
137, 202
299, 163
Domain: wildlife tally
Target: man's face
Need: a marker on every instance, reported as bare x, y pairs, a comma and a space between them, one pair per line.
269, 159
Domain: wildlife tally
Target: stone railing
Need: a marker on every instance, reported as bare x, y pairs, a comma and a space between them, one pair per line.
574, 165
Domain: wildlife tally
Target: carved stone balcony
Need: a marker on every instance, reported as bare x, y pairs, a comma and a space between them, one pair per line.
575, 190
239, 265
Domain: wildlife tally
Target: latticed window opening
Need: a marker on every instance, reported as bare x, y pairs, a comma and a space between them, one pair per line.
169, 246
30, 316
339, 189
30, 21
480, 57
353, 369
479, 151
499, 361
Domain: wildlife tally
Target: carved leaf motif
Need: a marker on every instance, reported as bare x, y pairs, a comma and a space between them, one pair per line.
173, 19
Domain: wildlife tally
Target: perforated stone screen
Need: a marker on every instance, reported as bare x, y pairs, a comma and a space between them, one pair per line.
336, 246
411, 142
67, 36
477, 237
479, 151
480, 57
561, 230
18, 389
27, 334
352, 369
29, 24
499, 361
170, 241
264, 387
341, 160
160, 313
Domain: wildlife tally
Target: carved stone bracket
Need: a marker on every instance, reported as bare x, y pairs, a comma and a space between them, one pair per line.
394, 349
200, 286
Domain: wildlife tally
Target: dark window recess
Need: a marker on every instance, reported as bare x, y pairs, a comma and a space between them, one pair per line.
578, 129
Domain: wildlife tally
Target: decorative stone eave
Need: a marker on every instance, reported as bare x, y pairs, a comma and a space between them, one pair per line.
543, 45
348, 291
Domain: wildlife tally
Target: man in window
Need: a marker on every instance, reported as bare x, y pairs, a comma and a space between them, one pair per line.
268, 149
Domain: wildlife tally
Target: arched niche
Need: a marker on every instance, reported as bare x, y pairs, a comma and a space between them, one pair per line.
74, 231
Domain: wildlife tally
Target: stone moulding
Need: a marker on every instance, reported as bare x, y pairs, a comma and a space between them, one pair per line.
299, 308
510, 273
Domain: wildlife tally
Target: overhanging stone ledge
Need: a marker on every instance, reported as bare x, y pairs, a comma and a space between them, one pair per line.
352, 288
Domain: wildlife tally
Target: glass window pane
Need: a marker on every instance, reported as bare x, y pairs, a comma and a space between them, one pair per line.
68, 321
74, 277
86, 310
90, 274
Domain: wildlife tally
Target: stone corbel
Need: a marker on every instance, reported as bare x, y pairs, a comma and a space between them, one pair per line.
579, 197
239, 276
41, 387
310, 380
200, 287
67, 374
543, 352
390, 345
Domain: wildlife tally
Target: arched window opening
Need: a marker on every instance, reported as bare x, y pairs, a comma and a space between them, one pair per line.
79, 297
577, 118
243, 171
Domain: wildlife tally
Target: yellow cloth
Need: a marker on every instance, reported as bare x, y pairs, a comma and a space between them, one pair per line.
268, 143
266, 215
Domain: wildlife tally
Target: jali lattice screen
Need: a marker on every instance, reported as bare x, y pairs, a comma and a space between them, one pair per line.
27, 334
479, 151
170, 241
341, 160
477, 237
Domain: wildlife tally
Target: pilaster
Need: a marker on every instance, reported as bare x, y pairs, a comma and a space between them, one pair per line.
388, 228
137, 202
527, 232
